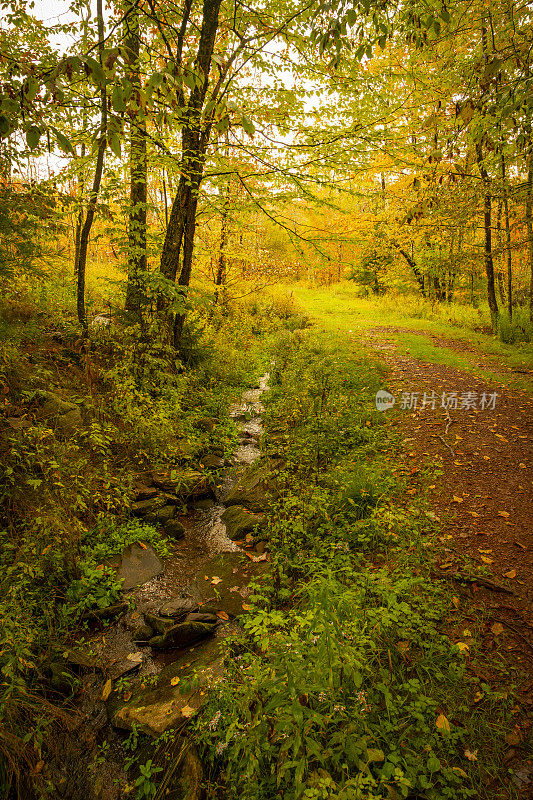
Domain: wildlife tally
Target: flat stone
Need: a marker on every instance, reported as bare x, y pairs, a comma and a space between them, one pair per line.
211, 461
138, 565
157, 624
141, 508
226, 586
179, 606
252, 491
182, 483
154, 711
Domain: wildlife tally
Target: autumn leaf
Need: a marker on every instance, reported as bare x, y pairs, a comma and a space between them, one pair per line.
175, 680
471, 755
135, 657
497, 628
510, 574
106, 691
487, 560
215, 580
126, 696
442, 724
188, 711
222, 615
456, 499
503, 514
246, 607
463, 647
473, 513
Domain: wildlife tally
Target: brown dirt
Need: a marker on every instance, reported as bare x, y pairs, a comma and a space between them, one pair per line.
484, 500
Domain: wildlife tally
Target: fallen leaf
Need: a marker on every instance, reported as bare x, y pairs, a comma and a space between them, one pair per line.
143, 545
187, 711
519, 544
456, 499
510, 574
126, 696
456, 602
106, 691
246, 607
463, 647
487, 458
487, 560
471, 755
135, 657
403, 647
473, 513
484, 551
215, 579
175, 680
503, 514
478, 696
442, 724
460, 772
497, 628
222, 615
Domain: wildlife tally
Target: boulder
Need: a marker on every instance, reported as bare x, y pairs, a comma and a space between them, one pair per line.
185, 484
181, 635
207, 424
138, 565
179, 606
252, 491
157, 624
161, 516
174, 529
142, 634
239, 521
142, 508
66, 416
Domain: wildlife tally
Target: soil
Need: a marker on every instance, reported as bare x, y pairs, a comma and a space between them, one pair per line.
484, 502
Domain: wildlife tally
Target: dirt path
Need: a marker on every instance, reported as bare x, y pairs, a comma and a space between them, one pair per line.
483, 445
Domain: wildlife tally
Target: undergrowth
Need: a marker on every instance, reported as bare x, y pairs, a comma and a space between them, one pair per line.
344, 682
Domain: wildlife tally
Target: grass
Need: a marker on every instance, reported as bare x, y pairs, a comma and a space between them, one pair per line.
339, 309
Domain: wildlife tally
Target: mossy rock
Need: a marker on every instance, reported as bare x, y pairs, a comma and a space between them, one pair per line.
239, 522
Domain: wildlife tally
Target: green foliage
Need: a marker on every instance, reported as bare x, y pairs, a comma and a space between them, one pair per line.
334, 686
517, 329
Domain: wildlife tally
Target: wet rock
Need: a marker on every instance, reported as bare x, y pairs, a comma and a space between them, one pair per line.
179, 606
260, 547
205, 504
226, 587
162, 515
142, 633
211, 461
182, 635
125, 666
145, 492
138, 565
141, 508
158, 625
154, 711
202, 617
174, 529
239, 521
255, 488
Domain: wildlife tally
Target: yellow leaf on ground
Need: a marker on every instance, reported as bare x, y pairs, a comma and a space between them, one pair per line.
510, 574
473, 513
487, 560
215, 579
503, 514
443, 724
246, 607
497, 628
456, 499
484, 551
188, 711
108, 688
222, 615
456, 602
471, 755
463, 647
175, 680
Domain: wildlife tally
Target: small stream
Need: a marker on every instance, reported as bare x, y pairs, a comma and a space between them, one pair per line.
205, 537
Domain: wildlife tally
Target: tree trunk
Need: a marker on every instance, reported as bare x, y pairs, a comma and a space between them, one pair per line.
489, 263
418, 275
529, 218
507, 238
179, 238
91, 207
220, 278
137, 263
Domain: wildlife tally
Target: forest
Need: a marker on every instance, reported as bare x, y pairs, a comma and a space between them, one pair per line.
266, 422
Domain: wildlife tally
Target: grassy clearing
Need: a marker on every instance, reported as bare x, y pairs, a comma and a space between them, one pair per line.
339, 309
349, 680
